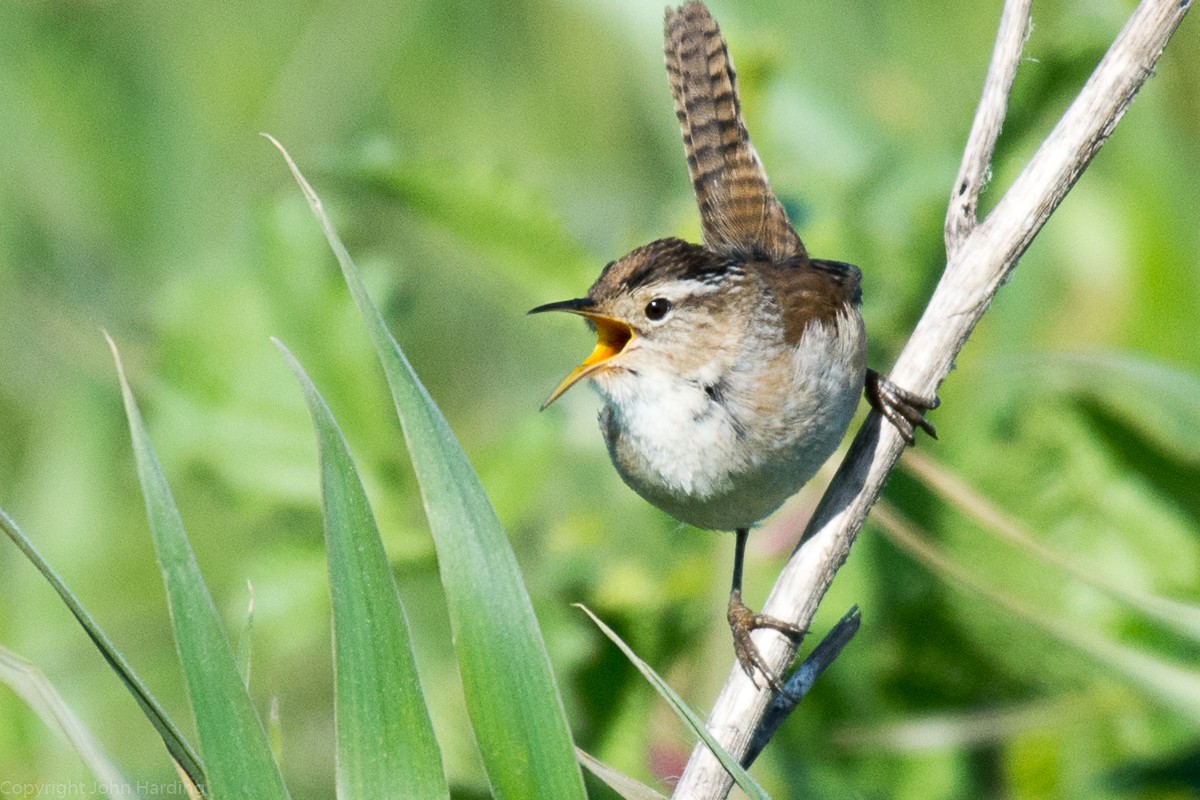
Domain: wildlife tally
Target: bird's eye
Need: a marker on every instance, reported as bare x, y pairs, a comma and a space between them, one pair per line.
657, 308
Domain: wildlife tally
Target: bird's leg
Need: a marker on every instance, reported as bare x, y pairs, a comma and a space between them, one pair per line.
742, 621
901, 407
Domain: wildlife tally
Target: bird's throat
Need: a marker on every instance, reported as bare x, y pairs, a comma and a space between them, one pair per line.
612, 337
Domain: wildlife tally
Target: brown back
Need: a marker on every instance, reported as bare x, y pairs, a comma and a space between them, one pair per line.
739, 213
812, 291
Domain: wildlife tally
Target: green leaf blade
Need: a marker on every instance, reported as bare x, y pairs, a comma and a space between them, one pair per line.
619, 782
179, 748
386, 744
512, 698
34, 688
1175, 686
237, 757
684, 712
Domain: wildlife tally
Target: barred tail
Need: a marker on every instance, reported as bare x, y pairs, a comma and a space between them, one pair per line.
738, 211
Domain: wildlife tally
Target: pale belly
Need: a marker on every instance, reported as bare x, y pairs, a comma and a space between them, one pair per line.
724, 459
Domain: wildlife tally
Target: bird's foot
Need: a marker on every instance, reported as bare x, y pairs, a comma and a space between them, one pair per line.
901, 407
741, 622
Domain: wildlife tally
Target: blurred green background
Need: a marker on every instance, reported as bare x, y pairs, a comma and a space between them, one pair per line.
481, 158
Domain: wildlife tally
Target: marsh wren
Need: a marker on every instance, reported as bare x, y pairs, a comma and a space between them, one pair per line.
730, 370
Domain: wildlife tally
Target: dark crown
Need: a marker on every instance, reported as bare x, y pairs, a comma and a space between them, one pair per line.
661, 260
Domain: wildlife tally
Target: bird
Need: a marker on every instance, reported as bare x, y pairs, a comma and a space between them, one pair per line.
728, 371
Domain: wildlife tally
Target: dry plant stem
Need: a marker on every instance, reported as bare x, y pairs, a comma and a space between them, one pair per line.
975, 271
1015, 25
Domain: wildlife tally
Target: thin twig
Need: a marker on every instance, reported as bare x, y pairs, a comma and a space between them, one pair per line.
975, 271
1015, 25
802, 680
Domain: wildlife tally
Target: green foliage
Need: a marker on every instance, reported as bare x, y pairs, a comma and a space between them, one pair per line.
178, 748
232, 738
510, 690
481, 158
30, 684
386, 746
685, 712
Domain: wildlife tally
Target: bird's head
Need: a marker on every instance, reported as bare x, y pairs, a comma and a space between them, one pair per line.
669, 306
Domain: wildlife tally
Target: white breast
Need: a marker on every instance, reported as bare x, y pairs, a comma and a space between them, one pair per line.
726, 456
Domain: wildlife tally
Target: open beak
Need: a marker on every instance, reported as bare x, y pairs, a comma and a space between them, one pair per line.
612, 337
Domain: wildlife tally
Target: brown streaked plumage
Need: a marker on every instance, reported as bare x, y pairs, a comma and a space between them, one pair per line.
730, 370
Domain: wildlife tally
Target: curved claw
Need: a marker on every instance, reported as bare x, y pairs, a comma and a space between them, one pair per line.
741, 622
904, 409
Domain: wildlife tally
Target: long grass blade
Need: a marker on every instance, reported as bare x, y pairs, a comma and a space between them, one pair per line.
179, 748
616, 780
509, 686
685, 713
971, 728
236, 755
245, 640
1161, 402
1176, 687
386, 746
1183, 618
32, 686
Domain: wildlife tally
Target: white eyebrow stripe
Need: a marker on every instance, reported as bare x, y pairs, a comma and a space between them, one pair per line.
689, 288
